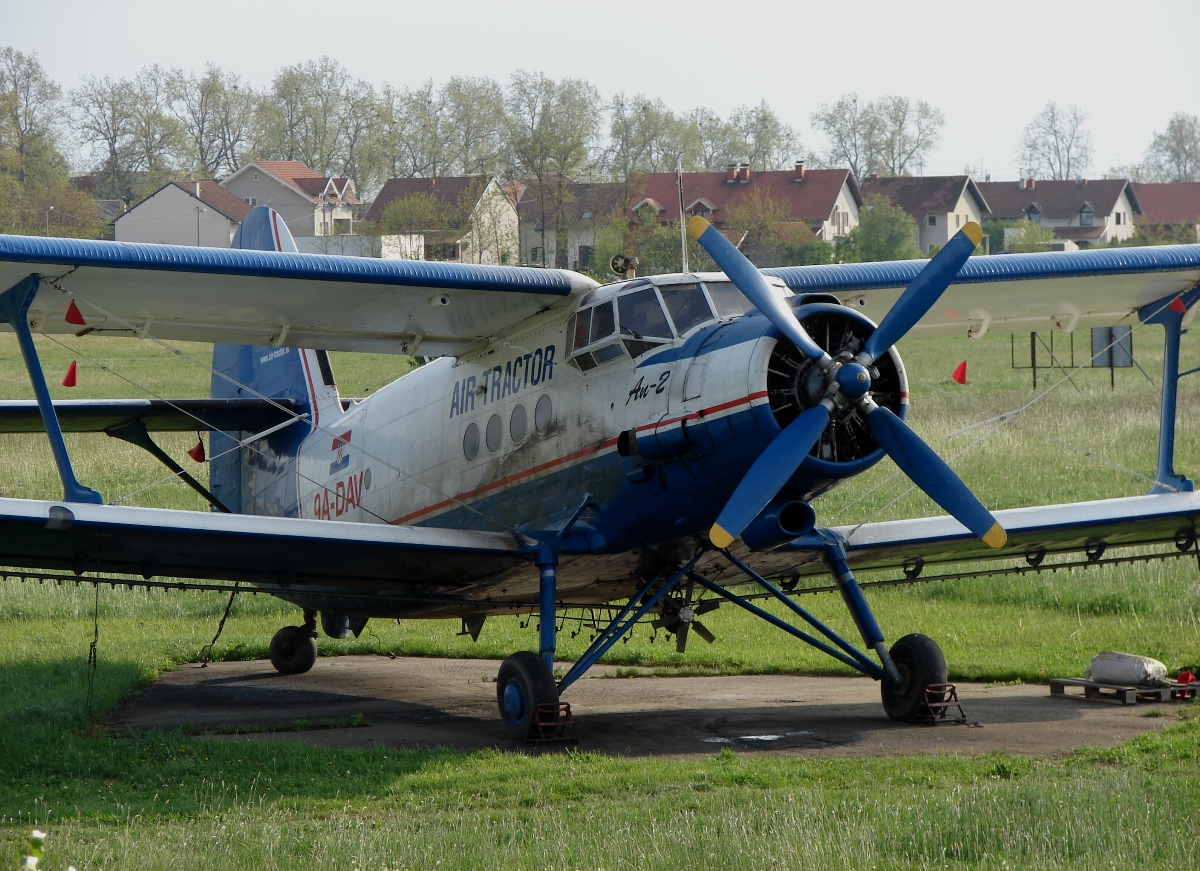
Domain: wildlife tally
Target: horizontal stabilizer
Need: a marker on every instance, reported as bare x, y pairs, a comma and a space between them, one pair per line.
157, 415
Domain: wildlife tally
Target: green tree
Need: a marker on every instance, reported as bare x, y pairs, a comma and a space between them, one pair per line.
769, 236
1032, 237
660, 251
884, 232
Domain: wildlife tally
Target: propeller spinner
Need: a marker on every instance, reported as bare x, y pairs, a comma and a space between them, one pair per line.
847, 382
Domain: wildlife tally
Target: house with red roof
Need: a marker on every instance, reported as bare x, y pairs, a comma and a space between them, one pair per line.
820, 203
1170, 210
184, 213
309, 203
471, 219
939, 205
1084, 212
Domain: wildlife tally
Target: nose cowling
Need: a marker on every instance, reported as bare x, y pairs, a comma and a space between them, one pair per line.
796, 383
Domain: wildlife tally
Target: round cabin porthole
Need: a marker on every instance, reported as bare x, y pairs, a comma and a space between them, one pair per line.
471, 442
542, 412
518, 423
494, 432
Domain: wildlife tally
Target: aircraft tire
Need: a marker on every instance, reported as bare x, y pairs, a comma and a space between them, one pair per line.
524, 682
293, 650
920, 663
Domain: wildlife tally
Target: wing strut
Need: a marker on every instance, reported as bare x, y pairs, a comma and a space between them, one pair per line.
1170, 313
14, 309
135, 433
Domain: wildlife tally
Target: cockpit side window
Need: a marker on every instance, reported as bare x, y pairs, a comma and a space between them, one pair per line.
592, 336
687, 305
643, 323
603, 322
727, 299
577, 333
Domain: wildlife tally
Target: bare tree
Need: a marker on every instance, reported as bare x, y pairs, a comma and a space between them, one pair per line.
217, 114
473, 110
157, 138
1174, 154
1055, 145
851, 125
906, 132
104, 121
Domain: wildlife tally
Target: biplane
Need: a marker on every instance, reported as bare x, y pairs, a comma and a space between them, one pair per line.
650, 446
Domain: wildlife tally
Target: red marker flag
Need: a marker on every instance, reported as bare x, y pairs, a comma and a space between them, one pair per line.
70, 379
960, 373
73, 315
1177, 305
197, 452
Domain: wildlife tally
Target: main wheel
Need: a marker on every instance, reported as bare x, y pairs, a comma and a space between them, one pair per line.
920, 663
293, 650
524, 682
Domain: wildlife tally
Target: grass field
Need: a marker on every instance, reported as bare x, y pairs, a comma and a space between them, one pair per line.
172, 801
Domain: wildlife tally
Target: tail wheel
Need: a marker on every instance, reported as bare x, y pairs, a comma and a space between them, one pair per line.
524, 683
294, 649
920, 663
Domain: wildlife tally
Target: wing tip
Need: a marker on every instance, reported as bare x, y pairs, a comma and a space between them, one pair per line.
995, 537
973, 232
696, 226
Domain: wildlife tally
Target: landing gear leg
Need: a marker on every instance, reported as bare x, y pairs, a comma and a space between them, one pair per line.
294, 648
526, 679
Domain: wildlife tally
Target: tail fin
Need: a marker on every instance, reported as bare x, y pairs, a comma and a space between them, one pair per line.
260, 478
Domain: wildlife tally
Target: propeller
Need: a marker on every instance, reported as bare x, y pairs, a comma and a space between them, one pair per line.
848, 382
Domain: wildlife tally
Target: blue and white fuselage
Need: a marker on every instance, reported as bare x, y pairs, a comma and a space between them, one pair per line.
653, 396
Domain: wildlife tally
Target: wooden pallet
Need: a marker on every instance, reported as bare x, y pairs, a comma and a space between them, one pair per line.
1126, 695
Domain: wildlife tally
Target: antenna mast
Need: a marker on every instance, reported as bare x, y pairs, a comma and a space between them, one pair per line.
682, 227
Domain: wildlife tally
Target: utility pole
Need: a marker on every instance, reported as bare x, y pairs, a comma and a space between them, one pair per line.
49, 209
199, 209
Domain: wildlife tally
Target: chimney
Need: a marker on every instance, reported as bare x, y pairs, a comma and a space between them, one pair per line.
873, 175
744, 173
196, 189
731, 173
799, 171
1028, 184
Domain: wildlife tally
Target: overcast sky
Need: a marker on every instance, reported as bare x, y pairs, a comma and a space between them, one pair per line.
988, 66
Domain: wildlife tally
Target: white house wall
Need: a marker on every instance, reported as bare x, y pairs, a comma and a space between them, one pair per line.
172, 217
302, 216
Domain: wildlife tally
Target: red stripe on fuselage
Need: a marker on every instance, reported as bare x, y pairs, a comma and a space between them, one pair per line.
583, 452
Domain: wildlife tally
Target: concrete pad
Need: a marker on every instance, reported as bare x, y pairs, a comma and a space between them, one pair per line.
410, 701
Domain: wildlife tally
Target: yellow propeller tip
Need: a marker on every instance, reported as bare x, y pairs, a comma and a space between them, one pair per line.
996, 536
973, 231
696, 226
717, 535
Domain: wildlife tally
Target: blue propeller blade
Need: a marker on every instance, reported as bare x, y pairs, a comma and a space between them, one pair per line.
774, 466
746, 277
922, 292
930, 472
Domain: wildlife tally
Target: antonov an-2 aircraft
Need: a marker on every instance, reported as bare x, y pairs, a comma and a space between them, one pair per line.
654, 443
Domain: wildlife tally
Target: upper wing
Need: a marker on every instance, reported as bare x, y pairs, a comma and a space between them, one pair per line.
1025, 291
268, 297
